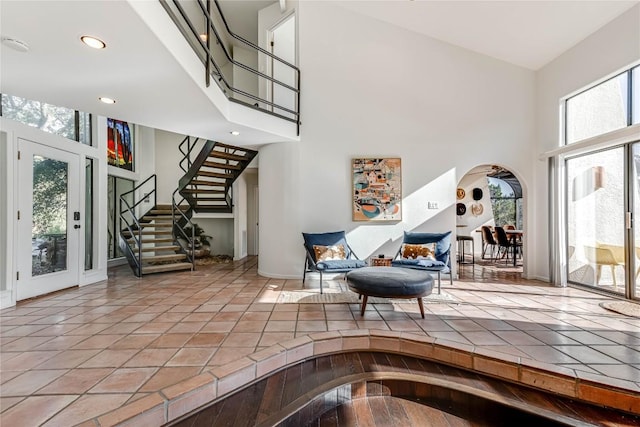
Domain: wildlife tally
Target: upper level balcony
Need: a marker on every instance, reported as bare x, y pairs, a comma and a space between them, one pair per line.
163, 70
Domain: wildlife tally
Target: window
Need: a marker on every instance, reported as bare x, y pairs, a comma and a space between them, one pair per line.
635, 95
88, 214
68, 123
598, 110
601, 197
116, 187
505, 203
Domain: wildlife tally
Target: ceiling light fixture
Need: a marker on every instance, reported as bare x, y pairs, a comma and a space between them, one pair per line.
234, 133
203, 37
107, 100
93, 42
15, 44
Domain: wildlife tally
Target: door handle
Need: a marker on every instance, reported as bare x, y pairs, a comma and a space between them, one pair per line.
76, 226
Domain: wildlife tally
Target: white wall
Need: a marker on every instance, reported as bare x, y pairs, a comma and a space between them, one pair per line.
240, 217
252, 210
222, 231
610, 49
468, 223
371, 89
242, 79
167, 168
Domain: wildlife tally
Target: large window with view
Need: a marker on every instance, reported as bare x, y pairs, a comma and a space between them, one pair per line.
601, 187
68, 123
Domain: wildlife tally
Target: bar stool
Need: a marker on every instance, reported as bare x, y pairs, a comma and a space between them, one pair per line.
461, 240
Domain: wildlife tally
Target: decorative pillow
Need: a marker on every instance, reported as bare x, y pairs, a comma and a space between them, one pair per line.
426, 251
327, 253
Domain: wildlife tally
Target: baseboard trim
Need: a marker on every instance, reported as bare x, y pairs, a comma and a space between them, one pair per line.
6, 300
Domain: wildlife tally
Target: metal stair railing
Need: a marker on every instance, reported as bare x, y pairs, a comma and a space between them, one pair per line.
180, 222
202, 46
128, 217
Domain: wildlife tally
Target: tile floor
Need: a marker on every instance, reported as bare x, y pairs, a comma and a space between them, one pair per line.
68, 357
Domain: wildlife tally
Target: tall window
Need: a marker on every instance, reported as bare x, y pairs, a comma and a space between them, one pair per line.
505, 203
601, 188
71, 124
115, 188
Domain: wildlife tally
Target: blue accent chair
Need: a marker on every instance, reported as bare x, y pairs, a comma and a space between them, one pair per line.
442, 262
350, 262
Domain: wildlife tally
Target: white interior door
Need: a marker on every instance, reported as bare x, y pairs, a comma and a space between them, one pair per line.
49, 220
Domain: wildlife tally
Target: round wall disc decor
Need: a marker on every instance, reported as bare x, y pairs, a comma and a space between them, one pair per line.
460, 193
477, 193
461, 209
477, 209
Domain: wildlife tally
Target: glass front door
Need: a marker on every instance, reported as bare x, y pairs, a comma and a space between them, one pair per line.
596, 220
49, 220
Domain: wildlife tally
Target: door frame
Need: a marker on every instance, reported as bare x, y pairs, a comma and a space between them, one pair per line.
270, 45
75, 243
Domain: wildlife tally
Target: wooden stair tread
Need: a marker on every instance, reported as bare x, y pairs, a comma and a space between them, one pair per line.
199, 198
216, 154
168, 225
161, 248
233, 147
208, 183
213, 209
203, 191
126, 233
215, 174
148, 241
218, 165
160, 258
149, 269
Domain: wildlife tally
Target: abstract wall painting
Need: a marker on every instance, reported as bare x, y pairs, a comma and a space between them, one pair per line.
119, 144
377, 189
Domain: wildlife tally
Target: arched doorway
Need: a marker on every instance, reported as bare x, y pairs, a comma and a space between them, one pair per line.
490, 196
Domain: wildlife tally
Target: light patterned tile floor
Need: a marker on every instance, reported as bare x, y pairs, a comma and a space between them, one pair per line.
72, 355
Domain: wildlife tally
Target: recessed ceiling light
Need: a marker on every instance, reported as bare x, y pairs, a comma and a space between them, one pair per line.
203, 37
15, 44
107, 100
93, 42
234, 133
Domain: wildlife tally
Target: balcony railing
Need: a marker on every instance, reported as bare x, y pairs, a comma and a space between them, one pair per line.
205, 28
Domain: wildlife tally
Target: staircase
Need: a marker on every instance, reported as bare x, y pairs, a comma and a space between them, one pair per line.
206, 185
162, 238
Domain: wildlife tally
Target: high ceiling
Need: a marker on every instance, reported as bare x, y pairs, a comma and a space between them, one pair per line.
525, 33
60, 70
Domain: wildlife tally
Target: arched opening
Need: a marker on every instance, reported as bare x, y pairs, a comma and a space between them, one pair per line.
490, 197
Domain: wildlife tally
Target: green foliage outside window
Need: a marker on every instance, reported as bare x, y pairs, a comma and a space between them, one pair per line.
49, 196
504, 208
48, 118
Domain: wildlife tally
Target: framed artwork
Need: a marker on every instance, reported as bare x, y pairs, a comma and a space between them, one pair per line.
377, 189
119, 144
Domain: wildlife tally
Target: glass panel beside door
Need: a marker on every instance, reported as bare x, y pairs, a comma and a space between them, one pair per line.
596, 229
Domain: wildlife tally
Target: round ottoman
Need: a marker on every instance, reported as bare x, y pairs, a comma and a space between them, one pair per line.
390, 282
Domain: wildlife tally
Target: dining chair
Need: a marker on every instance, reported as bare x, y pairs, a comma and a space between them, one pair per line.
506, 244
488, 240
